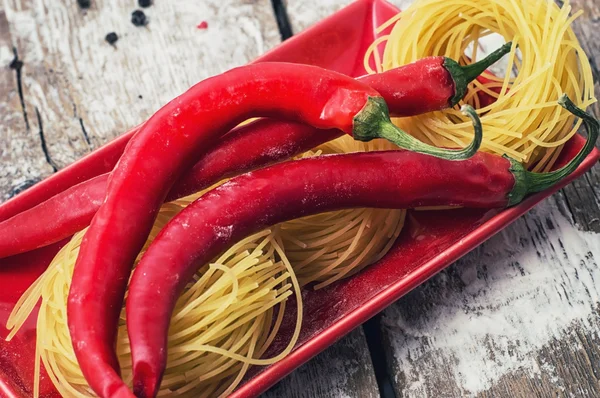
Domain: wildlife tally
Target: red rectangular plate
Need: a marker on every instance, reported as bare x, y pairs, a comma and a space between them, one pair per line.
430, 241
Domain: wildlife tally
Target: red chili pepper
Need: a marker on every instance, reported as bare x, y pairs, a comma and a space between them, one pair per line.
429, 84
257, 144
254, 201
166, 146
442, 86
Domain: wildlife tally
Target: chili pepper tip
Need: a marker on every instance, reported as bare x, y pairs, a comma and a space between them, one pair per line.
527, 182
463, 75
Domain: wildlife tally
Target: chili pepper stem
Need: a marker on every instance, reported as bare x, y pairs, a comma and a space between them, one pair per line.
463, 75
373, 122
527, 182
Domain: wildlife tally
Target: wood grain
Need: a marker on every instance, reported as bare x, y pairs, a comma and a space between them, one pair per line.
305, 13
343, 370
22, 160
87, 92
518, 317
583, 196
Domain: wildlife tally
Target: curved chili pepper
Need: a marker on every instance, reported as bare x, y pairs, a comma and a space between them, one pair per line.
254, 145
165, 147
254, 201
426, 85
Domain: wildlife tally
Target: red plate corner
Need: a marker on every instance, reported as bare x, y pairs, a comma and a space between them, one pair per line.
430, 241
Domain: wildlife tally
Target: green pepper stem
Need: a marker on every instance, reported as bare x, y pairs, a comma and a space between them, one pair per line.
374, 122
463, 75
541, 181
527, 182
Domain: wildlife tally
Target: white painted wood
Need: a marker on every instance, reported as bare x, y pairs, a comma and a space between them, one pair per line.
305, 13
70, 72
21, 157
493, 313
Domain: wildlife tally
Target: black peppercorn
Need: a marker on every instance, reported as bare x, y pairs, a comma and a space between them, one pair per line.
145, 3
138, 18
111, 38
84, 3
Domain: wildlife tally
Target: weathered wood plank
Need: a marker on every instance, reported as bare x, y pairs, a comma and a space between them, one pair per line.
518, 316
305, 13
87, 92
583, 196
18, 133
343, 370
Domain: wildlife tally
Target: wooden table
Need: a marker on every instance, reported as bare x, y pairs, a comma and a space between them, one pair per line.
520, 316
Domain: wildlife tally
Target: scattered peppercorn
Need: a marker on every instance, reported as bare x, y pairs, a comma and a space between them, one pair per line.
111, 38
138, 18
202, 25
140, 96
84, 3
145, 3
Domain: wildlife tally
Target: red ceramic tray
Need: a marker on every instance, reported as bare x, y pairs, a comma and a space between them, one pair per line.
429, 242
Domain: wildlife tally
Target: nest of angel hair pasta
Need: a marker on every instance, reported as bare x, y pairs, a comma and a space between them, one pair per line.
222, 324
521, 117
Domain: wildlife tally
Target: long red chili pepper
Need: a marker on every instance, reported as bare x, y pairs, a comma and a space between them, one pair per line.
254, 201
429, 84
257, 144
166, 146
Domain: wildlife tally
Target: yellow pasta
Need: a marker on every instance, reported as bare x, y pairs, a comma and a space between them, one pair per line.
231, 313
327, 247
546, 61
223, 323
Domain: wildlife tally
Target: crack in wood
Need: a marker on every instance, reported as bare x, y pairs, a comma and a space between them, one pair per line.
17, 65
83, 130
372, 330
283, 21
43, 141
85, 134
